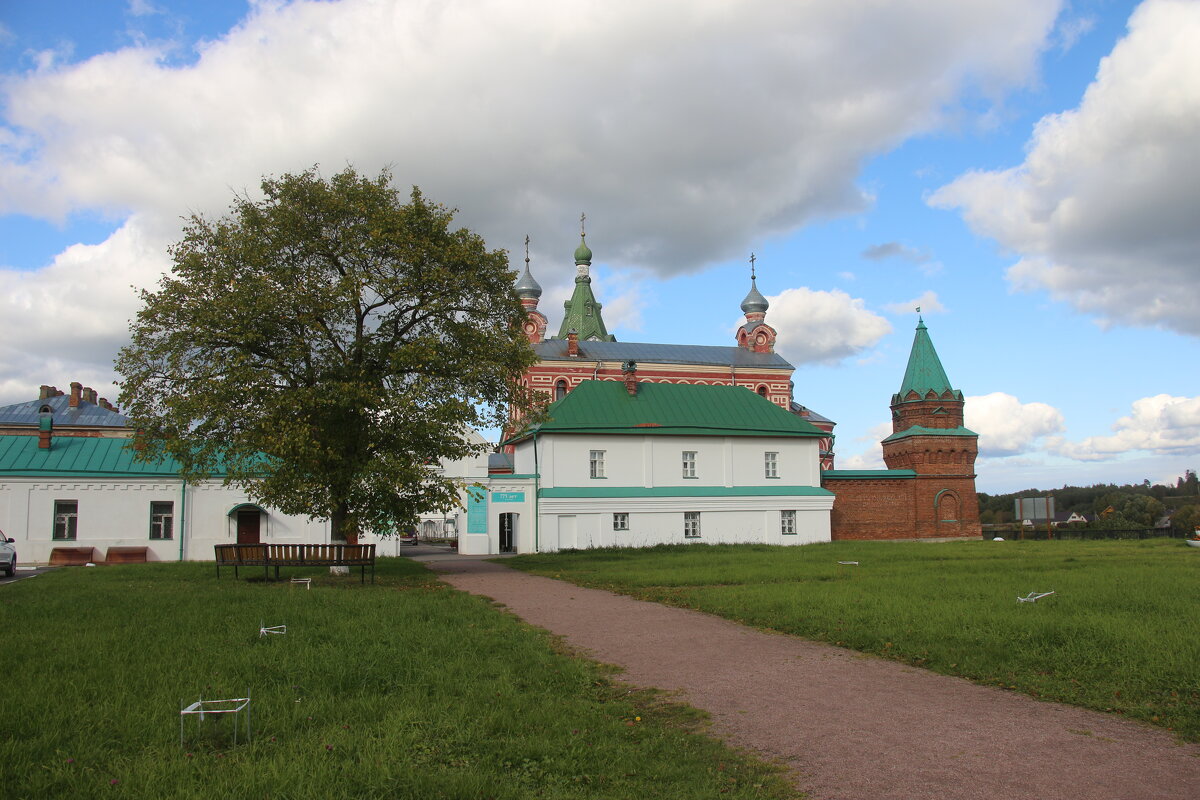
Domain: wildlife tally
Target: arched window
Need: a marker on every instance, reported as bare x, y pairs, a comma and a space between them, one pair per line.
560, 390
45, 410
762, 390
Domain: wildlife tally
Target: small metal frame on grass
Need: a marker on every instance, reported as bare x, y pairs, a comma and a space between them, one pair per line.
1033, 597
848, 563
264, 629
307, 582
202, 708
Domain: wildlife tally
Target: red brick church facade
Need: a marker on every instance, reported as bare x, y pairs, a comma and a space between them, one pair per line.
928, 489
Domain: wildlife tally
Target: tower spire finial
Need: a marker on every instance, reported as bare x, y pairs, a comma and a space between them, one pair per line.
527, 251
752, 259
582, 228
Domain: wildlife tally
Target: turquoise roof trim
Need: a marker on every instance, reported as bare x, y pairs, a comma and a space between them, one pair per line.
866, 474
924, 371
686, 491
669, 409
918, 430
79, 456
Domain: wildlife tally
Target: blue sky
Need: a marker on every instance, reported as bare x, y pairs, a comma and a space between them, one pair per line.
1024, 170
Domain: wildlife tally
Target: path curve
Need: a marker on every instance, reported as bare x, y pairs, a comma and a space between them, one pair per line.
852, 727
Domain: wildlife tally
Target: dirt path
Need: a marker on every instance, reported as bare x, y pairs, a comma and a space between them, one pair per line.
850, 726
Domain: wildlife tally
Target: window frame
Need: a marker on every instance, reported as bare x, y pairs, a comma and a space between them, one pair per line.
787, 519
68, 519
163, 522
771, 465
620, 521
691, 524
688, 458
596, 464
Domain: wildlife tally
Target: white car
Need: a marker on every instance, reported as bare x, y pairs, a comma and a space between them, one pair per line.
8, 555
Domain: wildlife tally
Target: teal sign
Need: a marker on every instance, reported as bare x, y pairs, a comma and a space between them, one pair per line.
508, 497
476, 510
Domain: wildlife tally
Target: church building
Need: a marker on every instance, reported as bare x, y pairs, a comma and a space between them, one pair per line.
681, 406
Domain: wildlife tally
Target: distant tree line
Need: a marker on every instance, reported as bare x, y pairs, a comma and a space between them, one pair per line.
1128, 506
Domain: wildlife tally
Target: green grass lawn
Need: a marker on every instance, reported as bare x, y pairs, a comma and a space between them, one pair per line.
404, 689
1119, 634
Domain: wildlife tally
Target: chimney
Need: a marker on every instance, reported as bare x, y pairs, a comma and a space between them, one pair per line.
107, 406
89, 395
629, 375
43, 392
45, 431
573, 344
76, 390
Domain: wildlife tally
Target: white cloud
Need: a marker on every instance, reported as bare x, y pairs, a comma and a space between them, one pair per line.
1072, 29
928, 303
522, 113
68, 320
823, 326
1103, 210
872, 458
1006, 426
685, 129
1161, 424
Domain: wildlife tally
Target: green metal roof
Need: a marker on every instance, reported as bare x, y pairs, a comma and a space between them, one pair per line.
866, 474
924, 370
669, 409
78, 455
583, 314
918, 430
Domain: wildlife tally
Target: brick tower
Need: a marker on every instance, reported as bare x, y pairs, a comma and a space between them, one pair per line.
929, 438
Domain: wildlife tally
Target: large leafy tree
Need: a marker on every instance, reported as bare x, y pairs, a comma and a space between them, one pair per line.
324, 347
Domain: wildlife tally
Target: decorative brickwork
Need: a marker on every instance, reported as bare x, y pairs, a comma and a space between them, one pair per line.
928, 440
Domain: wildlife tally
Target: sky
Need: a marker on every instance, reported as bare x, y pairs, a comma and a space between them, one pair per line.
1024, 171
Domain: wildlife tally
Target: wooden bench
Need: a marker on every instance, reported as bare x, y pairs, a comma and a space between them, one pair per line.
71, 556
296, 555
127, 555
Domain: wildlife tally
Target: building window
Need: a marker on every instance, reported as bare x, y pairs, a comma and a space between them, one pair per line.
691, 524
787, 522
771, 465
596, 464
560, 390
689, 463
620, 522
162, 520
66, 519
762, 391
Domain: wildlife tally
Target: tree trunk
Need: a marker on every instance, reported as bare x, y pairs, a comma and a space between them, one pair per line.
342, 531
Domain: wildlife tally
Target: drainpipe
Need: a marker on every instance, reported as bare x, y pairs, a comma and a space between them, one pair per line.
537, 517
182, 515
596, 371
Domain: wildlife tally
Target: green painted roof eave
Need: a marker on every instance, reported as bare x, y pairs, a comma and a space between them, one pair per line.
867, 474
918, 430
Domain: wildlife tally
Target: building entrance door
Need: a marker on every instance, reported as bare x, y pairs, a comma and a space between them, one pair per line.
508, 533
247, 526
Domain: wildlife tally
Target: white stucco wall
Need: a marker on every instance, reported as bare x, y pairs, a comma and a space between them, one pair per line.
116, 513
563, 460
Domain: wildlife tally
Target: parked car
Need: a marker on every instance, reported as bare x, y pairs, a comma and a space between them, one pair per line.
408, 536
8, 555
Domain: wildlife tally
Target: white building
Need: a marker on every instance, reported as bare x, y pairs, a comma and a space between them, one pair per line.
90, 493
637, 464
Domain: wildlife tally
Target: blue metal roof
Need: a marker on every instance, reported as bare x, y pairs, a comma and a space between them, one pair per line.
556, 350
86, 414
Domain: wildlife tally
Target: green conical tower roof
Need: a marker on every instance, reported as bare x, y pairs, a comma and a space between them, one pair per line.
925, 370
582, 311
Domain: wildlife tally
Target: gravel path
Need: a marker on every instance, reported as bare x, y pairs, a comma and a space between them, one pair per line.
850, 726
